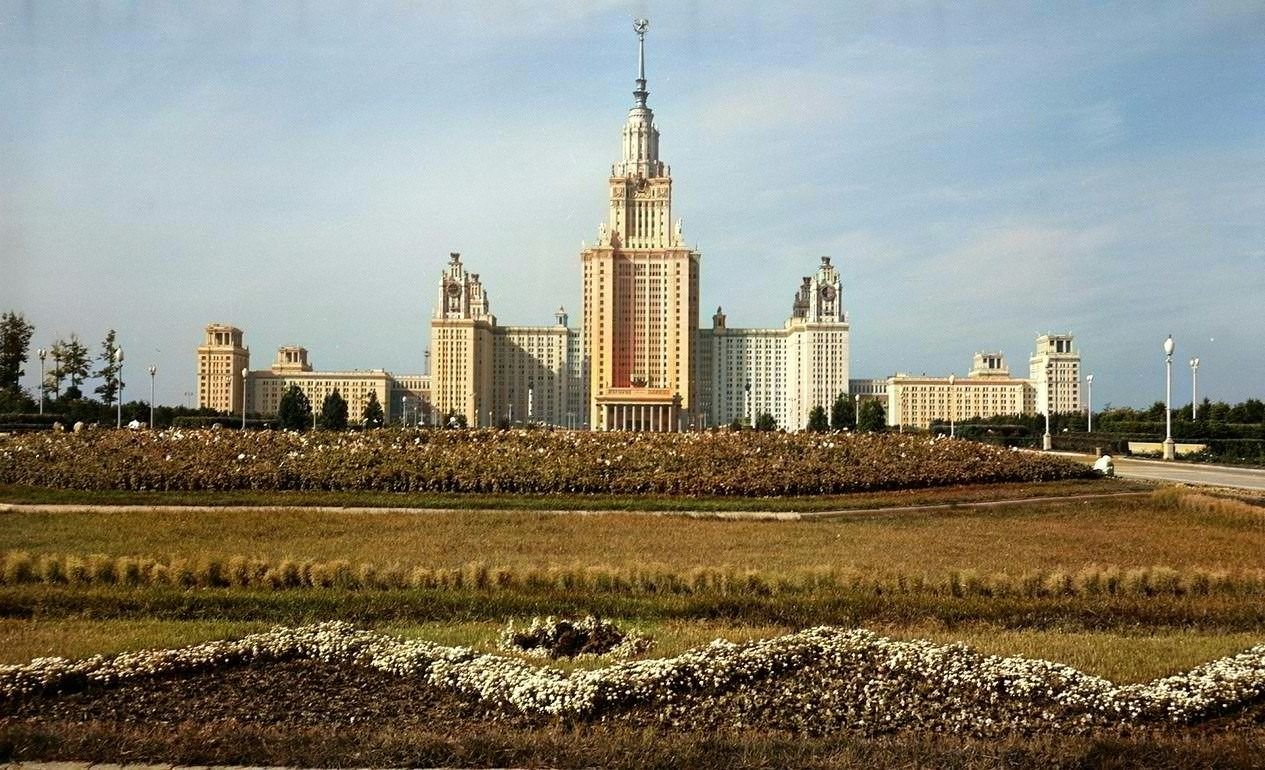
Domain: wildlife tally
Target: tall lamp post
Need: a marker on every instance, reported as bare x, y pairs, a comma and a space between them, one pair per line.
43, 354
1047, 441
1194, 387
952, 404
118, 377
245, 371
1170, 449
1089, 381
153, 370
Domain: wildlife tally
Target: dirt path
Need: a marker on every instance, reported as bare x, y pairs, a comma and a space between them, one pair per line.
738, 515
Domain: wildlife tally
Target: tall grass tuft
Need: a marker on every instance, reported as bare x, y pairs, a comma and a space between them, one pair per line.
239, 572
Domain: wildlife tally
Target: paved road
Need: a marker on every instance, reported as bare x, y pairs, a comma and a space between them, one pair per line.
1191, 473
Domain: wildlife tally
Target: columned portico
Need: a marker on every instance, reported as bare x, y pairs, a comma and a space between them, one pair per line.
641, 417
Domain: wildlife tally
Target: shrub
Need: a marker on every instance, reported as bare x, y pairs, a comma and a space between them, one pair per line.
571, 638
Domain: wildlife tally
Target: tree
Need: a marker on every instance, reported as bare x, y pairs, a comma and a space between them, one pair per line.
1250, 411
842, 413
455, 419
334, 412
736, 425
373, 416
110, 371
71, 362
873, 417
817, 422
765, 422
295, 411
15, 339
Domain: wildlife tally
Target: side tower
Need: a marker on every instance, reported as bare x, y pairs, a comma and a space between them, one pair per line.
818, 344
461, 346
640, 289
1055, 371
221, 358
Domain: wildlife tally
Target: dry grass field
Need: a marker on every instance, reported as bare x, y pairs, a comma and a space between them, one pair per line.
1135, 635
1122, 532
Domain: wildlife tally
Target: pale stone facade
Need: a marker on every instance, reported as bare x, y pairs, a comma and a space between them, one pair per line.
641, 291
461, 347
917, 401
496, 375
1055, 371
989, 390
410, 394
221, 358
781, 372
265, 388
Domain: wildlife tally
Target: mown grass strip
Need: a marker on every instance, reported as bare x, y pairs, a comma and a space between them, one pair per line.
1220, 613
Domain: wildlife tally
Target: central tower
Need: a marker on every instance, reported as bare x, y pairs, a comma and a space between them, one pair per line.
640, 289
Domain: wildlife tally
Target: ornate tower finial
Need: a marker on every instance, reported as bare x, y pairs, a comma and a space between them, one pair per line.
640, 26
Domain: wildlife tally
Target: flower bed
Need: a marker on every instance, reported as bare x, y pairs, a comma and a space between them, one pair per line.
560, 638
818, 680
752, 464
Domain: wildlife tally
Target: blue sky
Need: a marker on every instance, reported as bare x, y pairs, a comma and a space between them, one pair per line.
980, 173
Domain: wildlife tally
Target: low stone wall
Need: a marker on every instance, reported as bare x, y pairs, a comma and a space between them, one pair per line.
1157, 448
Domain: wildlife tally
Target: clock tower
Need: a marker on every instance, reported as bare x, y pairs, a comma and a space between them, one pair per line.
641, 289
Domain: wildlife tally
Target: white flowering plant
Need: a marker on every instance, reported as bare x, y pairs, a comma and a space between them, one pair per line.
814, 681
588, 637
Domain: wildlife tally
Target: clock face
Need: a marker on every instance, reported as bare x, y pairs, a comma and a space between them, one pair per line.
828, 293
453, 290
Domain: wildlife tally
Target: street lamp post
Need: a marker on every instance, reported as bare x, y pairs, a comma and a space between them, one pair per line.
1194, 387
1170, 449
1089, 381
245, 371
747, 406
856, 411
1047, 441
118, 377
43, 354
952, 404
153, 370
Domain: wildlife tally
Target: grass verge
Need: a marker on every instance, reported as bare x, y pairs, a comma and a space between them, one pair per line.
1213, 613
481, 745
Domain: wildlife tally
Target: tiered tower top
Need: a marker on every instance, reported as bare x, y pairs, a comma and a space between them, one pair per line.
640, 156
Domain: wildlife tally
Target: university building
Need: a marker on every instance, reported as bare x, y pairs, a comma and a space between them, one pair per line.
781, 372
495, 375
639, 361
989, 389
222, 357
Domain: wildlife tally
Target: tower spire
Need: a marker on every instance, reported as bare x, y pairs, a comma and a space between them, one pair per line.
640, 26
